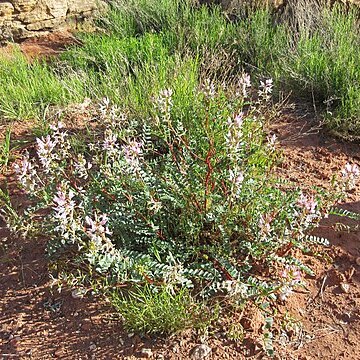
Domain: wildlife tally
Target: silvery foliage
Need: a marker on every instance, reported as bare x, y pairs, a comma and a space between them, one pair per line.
173, 200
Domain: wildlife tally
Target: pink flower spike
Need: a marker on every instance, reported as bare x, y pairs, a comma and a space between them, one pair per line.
238, 120
308, 204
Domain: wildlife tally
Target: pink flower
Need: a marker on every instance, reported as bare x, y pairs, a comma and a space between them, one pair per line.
272, 140
266, 89
97, 225
351, 170
239, 119
308, 203
110, 141
45, 147
132, 152
208, 89
235, 134
26, 173
265, 223
245, 83
104, 106
64, 204
292, 274
97, 230
57, 127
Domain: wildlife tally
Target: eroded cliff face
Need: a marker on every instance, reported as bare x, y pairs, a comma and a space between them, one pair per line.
21, 19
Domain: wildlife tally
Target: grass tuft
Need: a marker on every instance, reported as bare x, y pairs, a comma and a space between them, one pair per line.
150, 310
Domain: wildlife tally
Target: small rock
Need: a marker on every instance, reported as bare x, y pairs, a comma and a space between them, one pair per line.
146, 353
345, 287
130, 335
78, 293
358, 261
92, 347
200, 351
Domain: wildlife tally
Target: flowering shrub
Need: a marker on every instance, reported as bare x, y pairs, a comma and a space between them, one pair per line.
175, 203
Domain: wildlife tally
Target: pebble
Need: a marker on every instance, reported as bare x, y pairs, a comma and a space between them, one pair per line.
146, 353
78, 293
200, 351
345, 287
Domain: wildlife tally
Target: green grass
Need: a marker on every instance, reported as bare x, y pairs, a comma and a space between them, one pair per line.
5, 151
27, 89
326, 63
147, 45
156, 311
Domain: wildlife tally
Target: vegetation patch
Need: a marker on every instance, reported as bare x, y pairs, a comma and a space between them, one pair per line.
173, 211
314, 54
169, 203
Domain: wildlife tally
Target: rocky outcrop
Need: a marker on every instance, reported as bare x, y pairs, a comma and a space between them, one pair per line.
20, 19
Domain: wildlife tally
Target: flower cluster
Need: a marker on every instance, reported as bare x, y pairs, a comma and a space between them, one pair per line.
244, 85
45, 147
236, 177
110, 145
307, 203
111, 115
164, 101
234, 135
26, 173
82, 167
291, 277
272, 140
132, 153
351, 174
208, 89
64, 212
98, 231
266, 89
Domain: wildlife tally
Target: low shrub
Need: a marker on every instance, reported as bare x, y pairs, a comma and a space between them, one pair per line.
173, 206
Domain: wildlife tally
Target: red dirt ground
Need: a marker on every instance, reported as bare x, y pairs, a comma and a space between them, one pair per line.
37, 322
44, 46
